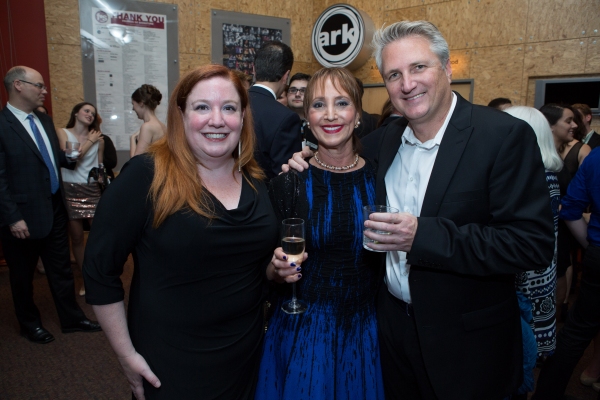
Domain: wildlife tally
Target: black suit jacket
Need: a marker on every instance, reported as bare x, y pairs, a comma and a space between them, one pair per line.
594, 140
486, 215
24, 178
277, 131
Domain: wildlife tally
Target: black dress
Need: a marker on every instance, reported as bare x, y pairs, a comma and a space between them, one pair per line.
195, 305
566, 242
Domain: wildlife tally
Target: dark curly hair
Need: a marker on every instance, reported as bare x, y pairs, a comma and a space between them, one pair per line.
147, 95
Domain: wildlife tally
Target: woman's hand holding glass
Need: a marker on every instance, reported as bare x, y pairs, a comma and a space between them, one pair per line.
73, 151
281, 269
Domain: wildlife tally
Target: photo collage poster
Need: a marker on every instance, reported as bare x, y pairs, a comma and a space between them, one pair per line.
241, 42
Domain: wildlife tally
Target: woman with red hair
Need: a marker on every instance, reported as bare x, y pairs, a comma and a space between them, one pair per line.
196, 215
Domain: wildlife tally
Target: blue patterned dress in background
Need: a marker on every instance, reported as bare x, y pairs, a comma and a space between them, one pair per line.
331, 351
539, 286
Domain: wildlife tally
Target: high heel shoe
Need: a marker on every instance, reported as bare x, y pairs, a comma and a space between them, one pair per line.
587, 380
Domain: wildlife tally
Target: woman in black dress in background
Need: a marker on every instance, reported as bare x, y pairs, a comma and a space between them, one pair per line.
197, 218
572, 152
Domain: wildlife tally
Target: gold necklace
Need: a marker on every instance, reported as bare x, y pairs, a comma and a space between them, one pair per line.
333, 167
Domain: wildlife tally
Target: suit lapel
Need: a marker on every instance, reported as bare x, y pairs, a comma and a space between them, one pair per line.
20, 131
451, 148
392, 138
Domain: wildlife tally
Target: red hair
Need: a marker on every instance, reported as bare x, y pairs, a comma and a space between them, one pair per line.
177, 184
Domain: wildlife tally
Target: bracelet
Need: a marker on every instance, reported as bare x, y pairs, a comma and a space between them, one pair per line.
91, 142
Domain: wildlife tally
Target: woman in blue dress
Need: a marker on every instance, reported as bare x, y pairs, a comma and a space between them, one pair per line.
331, 351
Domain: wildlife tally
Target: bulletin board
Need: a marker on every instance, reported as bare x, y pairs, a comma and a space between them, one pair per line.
125, 44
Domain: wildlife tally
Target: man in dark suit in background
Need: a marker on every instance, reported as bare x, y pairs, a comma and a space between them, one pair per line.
277, 127
474, 210
33, 218
592, 138
368, 122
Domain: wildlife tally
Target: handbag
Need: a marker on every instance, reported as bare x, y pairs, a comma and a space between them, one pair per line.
98, 174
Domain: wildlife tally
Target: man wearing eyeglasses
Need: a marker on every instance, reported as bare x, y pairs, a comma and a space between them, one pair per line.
295, 94
295, 100
33, 218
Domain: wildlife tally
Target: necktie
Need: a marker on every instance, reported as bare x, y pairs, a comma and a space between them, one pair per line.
45, 154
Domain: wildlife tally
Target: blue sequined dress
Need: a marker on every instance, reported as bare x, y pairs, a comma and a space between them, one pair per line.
331, 351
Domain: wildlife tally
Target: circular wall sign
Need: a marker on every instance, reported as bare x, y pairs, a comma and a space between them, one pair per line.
341, 36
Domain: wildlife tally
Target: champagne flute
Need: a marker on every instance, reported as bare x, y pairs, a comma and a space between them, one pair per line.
292, 243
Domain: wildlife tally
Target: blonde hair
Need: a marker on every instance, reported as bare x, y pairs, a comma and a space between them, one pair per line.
403, 29
541, 127
176, 184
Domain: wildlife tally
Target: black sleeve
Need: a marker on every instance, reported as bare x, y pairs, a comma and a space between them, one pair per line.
520, 233
371, 144
284, 191
121, 217
9, 211
110, 155
287, 142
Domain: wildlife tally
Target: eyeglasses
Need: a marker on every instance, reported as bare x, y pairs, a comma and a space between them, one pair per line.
37, 85
293, 90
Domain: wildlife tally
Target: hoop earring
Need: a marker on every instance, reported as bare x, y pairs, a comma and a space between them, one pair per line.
240, 156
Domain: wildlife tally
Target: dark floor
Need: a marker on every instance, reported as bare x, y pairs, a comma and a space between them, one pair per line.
74, 366
82, 365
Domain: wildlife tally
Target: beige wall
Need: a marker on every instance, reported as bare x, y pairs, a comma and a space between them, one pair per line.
502, 44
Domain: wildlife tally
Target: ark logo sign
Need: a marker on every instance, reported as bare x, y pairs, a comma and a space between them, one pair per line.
338, 36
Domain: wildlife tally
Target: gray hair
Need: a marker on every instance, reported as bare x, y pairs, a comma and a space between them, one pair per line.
402, 29
543, 132
14, 74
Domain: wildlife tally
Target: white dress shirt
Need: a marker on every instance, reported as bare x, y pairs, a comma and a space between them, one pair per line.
587, 137
22, 117
406, 182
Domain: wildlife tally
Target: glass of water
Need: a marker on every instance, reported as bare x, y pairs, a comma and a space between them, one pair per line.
72, 150
368, 210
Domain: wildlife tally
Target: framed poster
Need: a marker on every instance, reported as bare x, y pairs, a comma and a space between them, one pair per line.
236, 37
125, 44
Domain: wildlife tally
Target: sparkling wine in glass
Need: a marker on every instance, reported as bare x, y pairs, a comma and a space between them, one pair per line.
292, 243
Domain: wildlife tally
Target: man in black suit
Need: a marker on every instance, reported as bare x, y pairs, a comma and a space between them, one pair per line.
33, 218
277, 127
474, 210
592, 138
368, 122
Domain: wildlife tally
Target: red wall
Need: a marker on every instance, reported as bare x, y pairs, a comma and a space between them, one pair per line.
23, 41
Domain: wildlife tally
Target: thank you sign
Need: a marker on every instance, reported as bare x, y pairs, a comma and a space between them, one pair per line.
341, 37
